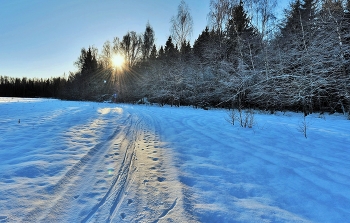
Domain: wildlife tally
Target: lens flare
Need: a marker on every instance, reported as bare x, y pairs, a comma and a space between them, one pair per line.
118, 61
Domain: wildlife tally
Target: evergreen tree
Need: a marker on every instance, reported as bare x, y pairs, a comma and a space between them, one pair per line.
291, 23
169, 49
185, 50
147, 41
161, 53
153, 54
298, 26
201, 43
89, 65
238, 22
238, 31
86, 84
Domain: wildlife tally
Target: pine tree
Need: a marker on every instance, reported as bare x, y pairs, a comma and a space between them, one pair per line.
201, 43
153, 54
291, 23
147, 41
209, 48
161, 53
90, 63
185, 50
238, 31
238, 22
297, 28
85, 83
169, 49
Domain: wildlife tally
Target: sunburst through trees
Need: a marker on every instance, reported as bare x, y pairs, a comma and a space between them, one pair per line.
118, 61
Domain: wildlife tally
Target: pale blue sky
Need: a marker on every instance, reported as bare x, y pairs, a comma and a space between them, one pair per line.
43, 38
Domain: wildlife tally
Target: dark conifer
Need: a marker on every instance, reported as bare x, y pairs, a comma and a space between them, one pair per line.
201, 43
238, 22
153, 54
170, 50
161, 53
147, 41
291, 23
238, 30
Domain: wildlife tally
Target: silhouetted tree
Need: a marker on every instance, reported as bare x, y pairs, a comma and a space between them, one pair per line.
153, 54
147, 41
170, 51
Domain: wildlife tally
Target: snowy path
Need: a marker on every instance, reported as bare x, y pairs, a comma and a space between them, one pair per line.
123, 175
88, 162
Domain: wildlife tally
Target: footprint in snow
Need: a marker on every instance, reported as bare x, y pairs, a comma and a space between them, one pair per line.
161, 179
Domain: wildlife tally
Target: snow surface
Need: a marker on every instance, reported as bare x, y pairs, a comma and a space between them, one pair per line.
64, 161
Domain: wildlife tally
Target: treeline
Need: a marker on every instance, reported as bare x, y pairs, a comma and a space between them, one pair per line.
300, 64
245, 58
24, 87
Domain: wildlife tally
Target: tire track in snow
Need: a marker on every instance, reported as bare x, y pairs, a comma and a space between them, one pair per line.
143, 137
127, 175
121, 180
61, 191
142, 188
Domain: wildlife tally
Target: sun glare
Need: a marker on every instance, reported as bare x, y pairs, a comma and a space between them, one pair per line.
118, 61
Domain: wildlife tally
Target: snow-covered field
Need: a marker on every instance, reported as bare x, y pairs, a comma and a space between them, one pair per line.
64, 161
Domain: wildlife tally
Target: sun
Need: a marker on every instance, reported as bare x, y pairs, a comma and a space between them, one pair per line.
118, 61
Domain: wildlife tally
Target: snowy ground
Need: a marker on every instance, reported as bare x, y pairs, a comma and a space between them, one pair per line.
92, 162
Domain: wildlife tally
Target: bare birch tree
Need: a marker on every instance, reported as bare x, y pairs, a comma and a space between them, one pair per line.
181, 24
219, 14
106, 55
